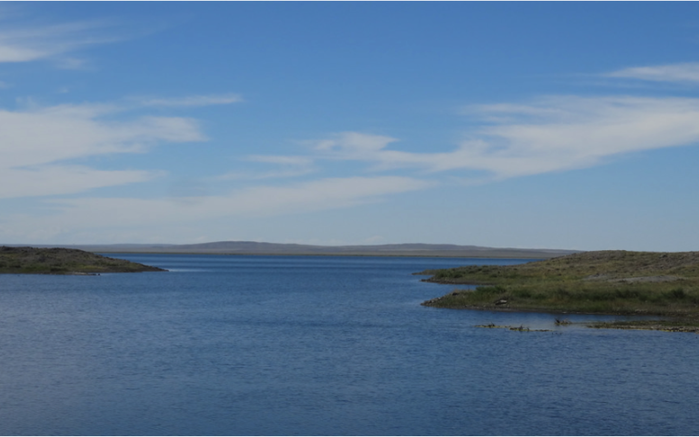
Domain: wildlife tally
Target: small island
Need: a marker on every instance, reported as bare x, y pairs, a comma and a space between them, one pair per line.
61, 261
602, 282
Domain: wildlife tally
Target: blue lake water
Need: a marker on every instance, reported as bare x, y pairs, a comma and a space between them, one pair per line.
231, 345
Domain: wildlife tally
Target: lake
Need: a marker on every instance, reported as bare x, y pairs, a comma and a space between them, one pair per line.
267, 345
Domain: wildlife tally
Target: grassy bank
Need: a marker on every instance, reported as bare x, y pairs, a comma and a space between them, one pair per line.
59, 261
603, 282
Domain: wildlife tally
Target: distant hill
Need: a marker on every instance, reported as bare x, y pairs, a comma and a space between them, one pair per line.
255, 248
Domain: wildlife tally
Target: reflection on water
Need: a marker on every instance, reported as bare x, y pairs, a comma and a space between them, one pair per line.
318, 345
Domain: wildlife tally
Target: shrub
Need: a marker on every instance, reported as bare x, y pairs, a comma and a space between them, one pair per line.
677, 293
491, 289
524, 294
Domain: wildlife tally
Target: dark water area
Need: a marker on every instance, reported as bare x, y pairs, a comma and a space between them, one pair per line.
264, 345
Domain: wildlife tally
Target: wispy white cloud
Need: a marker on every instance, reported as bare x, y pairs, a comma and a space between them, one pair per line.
35, 144
69, 131
25, 43
72, 63
354, 144
283, 160
50, 180
86, 214
261, 175
284, 167
548, 135
10, 52
581, 132
320, 194
683, 73
190, 101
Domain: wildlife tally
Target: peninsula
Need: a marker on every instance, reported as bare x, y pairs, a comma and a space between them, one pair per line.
601, 282
61, 261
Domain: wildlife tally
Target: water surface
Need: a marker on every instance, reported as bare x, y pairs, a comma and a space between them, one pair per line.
269, 345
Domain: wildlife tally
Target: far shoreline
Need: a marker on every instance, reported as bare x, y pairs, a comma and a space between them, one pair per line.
252, 248
369, 254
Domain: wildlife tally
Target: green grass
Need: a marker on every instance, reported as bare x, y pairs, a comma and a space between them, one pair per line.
606, 282
28, 260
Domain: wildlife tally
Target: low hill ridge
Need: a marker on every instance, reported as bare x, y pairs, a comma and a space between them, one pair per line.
259, 248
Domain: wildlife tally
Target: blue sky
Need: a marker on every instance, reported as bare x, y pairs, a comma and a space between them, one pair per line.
556, 125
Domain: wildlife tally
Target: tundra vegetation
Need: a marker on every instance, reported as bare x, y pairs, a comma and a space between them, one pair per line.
601, 282
60, 261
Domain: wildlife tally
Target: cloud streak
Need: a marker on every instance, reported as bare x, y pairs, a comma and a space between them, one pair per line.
580, 132
32, 43
86, 214
190, 101
681, 73
285, 167
549, 135
60, 180
35, 145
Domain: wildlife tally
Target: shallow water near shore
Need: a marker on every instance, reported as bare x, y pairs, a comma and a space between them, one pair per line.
265, 345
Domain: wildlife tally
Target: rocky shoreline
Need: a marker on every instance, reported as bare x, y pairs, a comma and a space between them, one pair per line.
622, 283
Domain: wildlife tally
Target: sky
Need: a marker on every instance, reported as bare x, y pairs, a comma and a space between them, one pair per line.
530, 125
